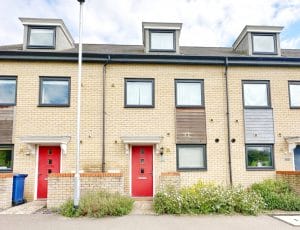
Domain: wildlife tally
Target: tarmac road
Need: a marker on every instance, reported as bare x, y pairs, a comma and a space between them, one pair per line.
141, 222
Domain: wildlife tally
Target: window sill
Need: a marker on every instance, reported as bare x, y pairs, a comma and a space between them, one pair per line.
42, 105
258, 107
294, 107
139, 106
191, 169
260, 169
41, 47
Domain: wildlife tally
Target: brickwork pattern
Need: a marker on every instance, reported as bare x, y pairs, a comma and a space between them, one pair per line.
6, 185
292, 177
61, 186
169, 179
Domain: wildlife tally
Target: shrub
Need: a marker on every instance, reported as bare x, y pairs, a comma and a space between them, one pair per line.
204, 198
98, 204
277, 194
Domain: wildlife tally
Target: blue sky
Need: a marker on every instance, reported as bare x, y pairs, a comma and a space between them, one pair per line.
205, 22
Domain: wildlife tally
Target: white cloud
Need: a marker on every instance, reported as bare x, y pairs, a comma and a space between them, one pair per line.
205, 23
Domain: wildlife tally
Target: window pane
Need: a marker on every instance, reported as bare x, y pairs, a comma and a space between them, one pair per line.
5, 159
189, 93
162, 41
41, 37
139, 93
7, 91
190, 157
263, 43
259, 156
256, 95
295, 95
55, 92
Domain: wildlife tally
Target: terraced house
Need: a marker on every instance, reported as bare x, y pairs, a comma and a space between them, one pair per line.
152, 114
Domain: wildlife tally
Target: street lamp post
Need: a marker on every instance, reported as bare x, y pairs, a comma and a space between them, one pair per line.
77, 174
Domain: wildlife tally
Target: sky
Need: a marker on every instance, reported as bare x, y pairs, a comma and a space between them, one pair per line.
214, 23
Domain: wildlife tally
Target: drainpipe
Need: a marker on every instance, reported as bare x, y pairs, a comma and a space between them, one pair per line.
228, 121
103, 112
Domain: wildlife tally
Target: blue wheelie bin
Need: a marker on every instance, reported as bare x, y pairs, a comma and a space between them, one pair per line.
18, 189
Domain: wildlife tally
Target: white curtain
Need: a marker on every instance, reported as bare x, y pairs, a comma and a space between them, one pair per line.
189, 93
162, 41
191, 157
295, 95
41, 37
7, 91
139, 93
263, 44
255, 95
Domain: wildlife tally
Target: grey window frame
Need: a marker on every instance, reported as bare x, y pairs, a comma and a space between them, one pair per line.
6, 77
290, 101
201, 81
41, 46
264, 34
267, 82
11, 146
162, 31
251, 168
152, 80
56, 78
191, 146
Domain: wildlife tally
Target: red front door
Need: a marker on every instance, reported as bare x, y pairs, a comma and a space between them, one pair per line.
49, 162
142, 171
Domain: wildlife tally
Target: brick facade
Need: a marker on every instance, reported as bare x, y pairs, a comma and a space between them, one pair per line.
6, 186
292, 177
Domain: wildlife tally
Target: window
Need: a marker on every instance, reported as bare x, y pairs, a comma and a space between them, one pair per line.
189, 93
54, 91
8, 90
294, 90
162, 40
264, 43
259, 157
41, 37
191, 157
256, 94
139, 92
6, 157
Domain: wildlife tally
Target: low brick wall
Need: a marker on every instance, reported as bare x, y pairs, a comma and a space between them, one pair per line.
61, 185
292, 177
6, 184
169, 179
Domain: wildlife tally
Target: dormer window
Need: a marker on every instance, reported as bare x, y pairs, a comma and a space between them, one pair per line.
162, 40
264, 43
41, 37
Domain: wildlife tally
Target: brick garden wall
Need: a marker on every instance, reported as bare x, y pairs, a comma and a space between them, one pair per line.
292, 177
169, 179
61, 185
6, 184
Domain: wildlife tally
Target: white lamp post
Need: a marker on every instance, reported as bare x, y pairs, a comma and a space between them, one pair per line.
77, 175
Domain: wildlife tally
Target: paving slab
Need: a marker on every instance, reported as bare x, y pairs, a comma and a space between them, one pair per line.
27, 208
142, 208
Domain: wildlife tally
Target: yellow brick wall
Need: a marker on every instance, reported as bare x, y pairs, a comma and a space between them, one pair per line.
31, 120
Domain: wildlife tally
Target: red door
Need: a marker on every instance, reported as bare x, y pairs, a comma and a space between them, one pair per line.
49, 162
142, 171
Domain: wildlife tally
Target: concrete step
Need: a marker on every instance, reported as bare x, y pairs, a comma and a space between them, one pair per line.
142, 207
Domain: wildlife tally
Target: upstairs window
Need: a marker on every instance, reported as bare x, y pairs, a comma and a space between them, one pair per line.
189, 93
8, 90
264, 43
6, 157
54, 91
294, 90
139, 92
256, 94
162, 41
41, 37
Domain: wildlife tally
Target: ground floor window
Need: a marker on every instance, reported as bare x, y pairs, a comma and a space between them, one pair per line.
259, 156
6, 157
191, 157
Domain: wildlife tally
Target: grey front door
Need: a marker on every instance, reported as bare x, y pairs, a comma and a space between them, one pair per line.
297, 158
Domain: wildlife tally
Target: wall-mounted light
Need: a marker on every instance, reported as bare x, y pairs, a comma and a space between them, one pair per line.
161, 151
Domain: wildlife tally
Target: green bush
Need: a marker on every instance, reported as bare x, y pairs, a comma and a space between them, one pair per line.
277, 194
204, 198
98, 204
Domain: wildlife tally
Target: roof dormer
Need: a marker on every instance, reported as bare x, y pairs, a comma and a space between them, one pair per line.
259, 41
42, 33
161, 37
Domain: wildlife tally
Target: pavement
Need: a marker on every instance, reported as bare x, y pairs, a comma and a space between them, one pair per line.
32, 217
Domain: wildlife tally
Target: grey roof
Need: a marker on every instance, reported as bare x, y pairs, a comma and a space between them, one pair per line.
139, 49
